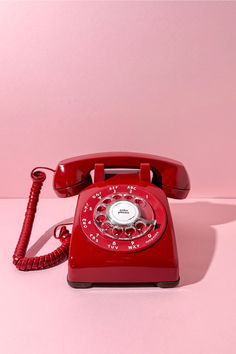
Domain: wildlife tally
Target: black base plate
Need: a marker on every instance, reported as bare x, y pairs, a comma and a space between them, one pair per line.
160, 284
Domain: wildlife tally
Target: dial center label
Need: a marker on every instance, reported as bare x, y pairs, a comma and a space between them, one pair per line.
123, 212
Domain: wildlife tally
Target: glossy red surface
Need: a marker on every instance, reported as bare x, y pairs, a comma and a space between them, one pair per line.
122, 230
72, 175
90, 263
20, 260
150, 207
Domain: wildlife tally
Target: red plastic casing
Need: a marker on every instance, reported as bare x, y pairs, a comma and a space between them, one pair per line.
73, 175
89, 263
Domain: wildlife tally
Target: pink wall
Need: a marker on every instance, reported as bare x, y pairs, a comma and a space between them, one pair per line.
85, 77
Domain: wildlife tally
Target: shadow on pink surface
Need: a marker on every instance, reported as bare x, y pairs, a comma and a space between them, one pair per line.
36, 247
196, 237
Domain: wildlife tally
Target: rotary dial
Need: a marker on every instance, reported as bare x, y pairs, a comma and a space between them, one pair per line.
124, 216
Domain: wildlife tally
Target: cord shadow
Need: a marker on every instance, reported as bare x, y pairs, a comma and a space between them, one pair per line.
195, 235
36, 247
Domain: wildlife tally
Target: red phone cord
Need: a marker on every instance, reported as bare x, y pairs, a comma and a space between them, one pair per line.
48, 260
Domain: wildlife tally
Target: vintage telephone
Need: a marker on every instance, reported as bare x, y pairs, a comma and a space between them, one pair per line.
122, 230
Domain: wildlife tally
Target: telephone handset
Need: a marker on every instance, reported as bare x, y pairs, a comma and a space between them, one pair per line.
122, 229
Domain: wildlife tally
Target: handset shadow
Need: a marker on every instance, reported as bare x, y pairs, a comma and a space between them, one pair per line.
196, 237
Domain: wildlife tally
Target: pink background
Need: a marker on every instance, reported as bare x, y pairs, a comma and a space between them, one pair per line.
81, 77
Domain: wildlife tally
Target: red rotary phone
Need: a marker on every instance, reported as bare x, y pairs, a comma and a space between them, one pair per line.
122, 230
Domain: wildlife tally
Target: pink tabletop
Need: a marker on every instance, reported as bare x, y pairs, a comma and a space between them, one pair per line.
40, 313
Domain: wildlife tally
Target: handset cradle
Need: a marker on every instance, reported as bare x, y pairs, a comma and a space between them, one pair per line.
72, 175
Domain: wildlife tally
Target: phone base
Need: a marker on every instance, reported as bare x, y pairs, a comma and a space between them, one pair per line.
160, 284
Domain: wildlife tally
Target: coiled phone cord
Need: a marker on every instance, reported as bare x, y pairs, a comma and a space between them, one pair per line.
48, 260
